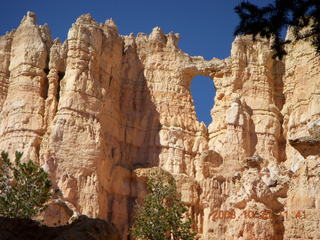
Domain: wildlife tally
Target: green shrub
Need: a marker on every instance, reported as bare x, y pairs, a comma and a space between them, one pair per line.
162, 215
24, 187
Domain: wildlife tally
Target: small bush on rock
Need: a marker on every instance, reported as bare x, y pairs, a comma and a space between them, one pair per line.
24, 187
162, 215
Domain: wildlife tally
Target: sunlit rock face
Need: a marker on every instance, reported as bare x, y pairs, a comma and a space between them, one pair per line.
99, 110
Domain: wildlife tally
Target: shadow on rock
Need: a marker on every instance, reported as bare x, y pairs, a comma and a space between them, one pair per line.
83, 228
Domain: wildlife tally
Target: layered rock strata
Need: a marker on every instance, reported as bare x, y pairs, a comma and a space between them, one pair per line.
100, 109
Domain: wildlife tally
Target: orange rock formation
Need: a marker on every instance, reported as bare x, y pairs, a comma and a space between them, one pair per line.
100, 109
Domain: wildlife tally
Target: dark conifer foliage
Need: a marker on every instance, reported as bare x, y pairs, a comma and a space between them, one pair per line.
269, 21
162, 215
24, 187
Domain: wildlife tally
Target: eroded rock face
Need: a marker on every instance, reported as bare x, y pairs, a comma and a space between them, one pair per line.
100, 109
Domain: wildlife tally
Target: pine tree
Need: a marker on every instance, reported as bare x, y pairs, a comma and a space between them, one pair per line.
268, 22
162, 215
24, 187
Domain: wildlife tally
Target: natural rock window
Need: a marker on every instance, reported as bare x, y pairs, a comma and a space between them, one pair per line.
203, 92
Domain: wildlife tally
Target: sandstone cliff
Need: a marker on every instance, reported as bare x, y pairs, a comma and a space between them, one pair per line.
100, 109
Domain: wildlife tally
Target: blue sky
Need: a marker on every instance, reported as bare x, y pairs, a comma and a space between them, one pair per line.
206, 26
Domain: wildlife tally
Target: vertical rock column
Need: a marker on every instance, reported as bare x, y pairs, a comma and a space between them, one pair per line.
83, 147
71, 148
246, 127
114, 172
22, 114
249, 83
5, 51
56, 70
302, 131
